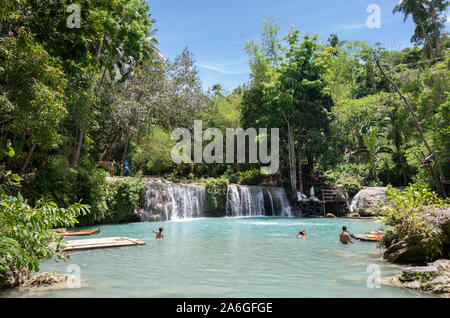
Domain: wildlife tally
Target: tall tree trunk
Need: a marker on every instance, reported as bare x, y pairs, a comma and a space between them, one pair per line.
436, 28
76, 155
372, 76
425, 34
27, 159
300, 161
77, 150
125, 148
440, 183
292, 168
111, 147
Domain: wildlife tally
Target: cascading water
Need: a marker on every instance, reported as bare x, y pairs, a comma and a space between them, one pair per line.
187, 201
357, 202
171, 201
257, 201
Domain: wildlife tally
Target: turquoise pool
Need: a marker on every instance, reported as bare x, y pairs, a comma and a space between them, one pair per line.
230, 257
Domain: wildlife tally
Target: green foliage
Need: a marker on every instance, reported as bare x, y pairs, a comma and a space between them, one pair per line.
31, 94
64, 185
9, 182
123, 200
351, 176
117, 203
406, 214
26, 232
153, 156
216, 196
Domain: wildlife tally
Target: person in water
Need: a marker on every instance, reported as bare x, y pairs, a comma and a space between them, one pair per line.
159, 234
301, 234
345, 236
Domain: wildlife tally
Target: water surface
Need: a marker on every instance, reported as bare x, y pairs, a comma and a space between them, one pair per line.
230, 257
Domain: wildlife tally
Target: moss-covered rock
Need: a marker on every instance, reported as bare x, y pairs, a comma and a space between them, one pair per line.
433, 278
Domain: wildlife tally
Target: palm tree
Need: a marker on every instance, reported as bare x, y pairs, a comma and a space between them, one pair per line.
418, 10
373, 149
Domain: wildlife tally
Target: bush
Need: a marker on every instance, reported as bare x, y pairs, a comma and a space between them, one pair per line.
64, 185
27, 236
118, 203
124, 200
407, 217
216, 196
351, 176
250, 177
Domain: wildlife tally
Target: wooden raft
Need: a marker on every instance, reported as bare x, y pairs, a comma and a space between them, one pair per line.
104, 242
80, 233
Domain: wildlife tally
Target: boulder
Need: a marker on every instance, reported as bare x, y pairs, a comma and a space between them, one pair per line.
331, 216
401, 253
368, 199
341, 193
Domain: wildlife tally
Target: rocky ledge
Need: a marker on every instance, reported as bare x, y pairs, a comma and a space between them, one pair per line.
23, 279
433, 278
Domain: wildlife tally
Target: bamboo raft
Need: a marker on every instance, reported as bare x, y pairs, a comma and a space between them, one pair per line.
80, 233
104, 242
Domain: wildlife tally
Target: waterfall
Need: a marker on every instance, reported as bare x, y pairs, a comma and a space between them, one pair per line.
257, 201
187, 201
171, 201
357, 202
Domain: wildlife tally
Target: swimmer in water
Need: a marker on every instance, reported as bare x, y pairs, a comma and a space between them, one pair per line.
159, 234
301, 234
345, 236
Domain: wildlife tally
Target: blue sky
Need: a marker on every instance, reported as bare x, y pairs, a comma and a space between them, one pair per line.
215, 30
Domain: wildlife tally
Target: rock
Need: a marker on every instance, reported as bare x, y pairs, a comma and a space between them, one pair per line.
354, 215
401, 253
48, 279
341, 193
331, 216
433, 278
368, 200
24, 279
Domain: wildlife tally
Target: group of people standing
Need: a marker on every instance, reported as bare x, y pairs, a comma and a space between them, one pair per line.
118, 168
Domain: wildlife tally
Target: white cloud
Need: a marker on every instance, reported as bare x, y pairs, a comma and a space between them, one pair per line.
351, 26
227, 68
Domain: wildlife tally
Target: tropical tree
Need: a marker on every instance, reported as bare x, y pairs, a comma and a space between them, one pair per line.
373, 149
299, 101
418, 10
32, 96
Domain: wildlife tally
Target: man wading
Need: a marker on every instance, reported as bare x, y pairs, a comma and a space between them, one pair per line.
345, 236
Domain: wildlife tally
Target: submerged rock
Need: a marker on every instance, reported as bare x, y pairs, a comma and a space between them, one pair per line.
433, 278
